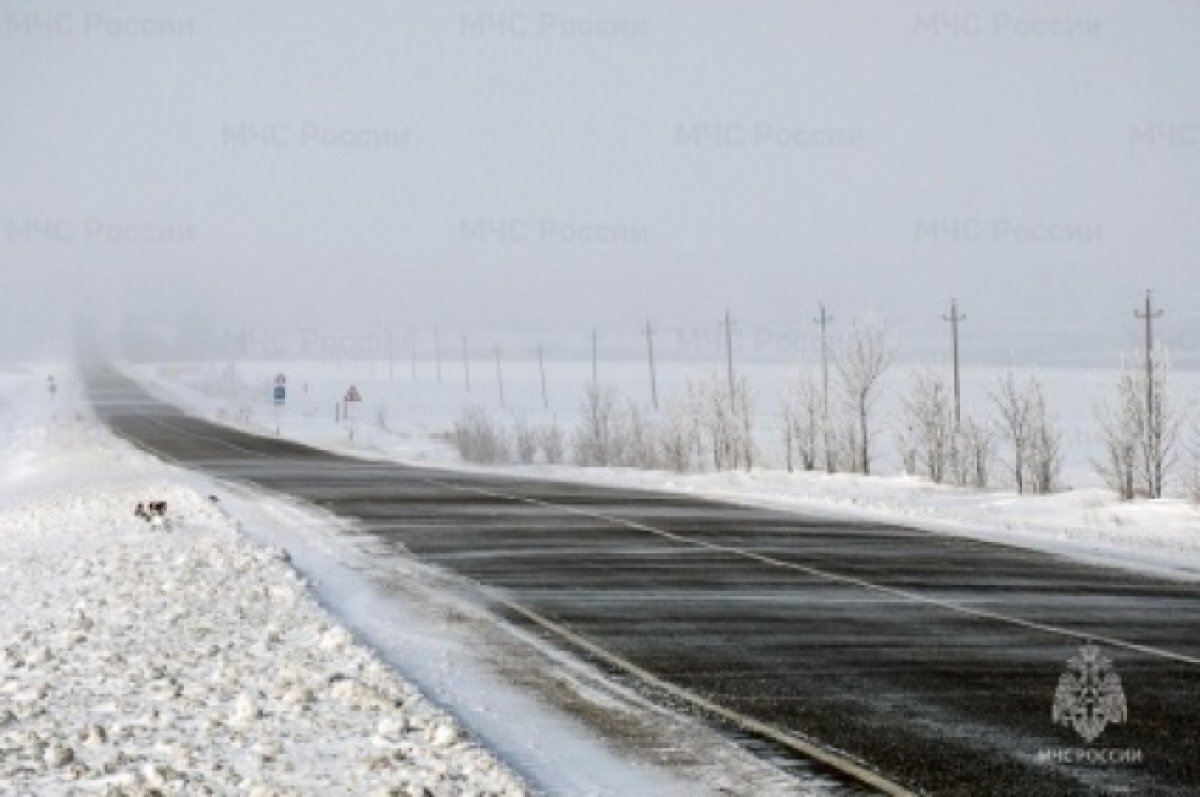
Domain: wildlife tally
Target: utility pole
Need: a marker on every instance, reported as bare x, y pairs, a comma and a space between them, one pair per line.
824, 321
466, 364
499, 376
542, 371
437, 351
1148, 315
653, 373
955, 318
595, 367
729, 359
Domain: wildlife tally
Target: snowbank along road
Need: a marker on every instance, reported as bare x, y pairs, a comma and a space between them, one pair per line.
941, 665
136, 659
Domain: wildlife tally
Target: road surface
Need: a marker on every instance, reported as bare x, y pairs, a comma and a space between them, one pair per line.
934, 661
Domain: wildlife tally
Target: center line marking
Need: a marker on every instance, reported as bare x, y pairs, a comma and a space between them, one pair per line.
829, 576
808, 570
728, 549
833, 758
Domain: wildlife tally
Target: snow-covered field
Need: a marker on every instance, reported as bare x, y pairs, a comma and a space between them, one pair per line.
138, 660
405, 418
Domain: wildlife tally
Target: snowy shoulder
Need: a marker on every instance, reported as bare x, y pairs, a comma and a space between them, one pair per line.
190, 660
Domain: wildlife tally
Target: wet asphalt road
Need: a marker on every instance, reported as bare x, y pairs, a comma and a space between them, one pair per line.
933, 659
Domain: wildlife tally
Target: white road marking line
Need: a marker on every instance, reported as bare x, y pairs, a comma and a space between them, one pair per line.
830, 758
813, 571
833, 759
808, 570
830, 576
200, 436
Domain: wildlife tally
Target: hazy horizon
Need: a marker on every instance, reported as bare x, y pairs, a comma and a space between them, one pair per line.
524, 172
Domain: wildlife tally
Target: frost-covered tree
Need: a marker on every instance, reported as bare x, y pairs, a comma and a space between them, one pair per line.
553, 442
1140, 428
525, 435
1161, 426
599, 435
865, 356
717, 423
1030, 433
906, 447
641, 438
803, 423
744, 411
479, 438
1045, 441
975, 448
725, 421
676, 436
929, 422
1013, 406
847, 451
1120, 422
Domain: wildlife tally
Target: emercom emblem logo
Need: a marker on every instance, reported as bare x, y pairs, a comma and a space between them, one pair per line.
1089, 694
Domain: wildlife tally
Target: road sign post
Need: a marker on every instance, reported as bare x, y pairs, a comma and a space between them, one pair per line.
352, 396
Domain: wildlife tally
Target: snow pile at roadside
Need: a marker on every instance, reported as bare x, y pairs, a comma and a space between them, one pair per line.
138, 660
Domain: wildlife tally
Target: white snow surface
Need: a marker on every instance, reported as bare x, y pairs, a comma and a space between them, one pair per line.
407, 420
138, 660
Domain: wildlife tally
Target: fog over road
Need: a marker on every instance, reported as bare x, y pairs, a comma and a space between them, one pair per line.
934, 660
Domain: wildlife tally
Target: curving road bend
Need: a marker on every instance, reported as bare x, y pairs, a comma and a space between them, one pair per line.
912, 660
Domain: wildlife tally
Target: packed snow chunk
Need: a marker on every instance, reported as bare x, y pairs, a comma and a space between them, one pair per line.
245, 710
335, 639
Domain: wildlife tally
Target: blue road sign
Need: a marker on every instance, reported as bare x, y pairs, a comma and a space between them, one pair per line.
280, 395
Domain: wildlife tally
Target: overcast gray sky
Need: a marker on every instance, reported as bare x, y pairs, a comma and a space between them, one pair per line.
505, 166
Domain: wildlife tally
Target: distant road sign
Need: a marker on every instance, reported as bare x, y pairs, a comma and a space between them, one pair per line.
353, 395
281, 380
280, 395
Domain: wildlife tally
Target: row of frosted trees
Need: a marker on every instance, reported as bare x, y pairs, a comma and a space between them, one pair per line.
830, 422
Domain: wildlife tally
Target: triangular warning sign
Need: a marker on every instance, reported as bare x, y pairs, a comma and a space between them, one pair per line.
352, 394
